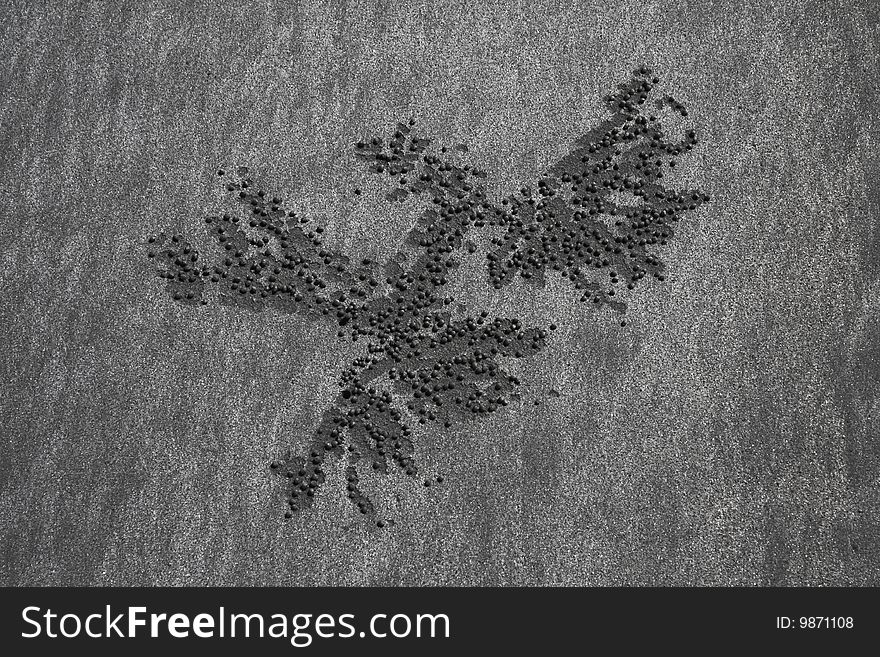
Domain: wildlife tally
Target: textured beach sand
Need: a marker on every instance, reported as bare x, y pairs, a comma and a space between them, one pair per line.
729, 434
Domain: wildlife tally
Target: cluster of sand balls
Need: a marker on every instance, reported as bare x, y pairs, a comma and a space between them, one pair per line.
576, 223
444, 367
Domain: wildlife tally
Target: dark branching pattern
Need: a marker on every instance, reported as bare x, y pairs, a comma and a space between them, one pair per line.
593, 219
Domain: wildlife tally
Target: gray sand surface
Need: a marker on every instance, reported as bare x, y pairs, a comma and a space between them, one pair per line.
729, 434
